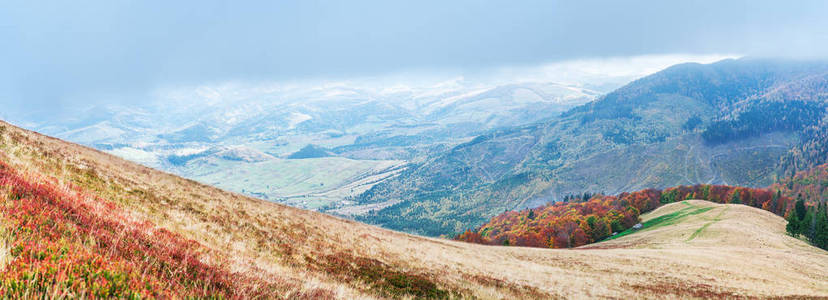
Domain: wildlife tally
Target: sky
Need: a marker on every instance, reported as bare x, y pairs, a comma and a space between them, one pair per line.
56, 54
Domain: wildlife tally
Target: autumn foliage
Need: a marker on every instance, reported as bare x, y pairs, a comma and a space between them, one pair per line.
811, 184
582, 221
64, 243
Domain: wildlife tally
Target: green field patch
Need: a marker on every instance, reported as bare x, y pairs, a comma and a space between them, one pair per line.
307, 183
701, 229
665, 220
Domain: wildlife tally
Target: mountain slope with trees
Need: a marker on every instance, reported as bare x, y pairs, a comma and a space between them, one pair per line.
734, 122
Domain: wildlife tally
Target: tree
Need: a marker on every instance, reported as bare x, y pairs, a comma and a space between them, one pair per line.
471, 237
734, 198
774, 205
668, 196
800, 208
821, 228
806, 225
531, 215
793, 224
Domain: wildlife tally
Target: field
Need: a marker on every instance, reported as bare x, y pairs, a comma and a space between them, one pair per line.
723, 251
306, 183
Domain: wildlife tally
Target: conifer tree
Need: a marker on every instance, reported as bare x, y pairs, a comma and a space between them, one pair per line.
793, 224
821, 227
806, 225
799, 208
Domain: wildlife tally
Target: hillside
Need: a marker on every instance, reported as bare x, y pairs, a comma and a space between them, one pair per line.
731, 239
704, 224
732, 122
164, 235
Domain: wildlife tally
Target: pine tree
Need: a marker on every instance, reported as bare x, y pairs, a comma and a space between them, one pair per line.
821, 228
806, 226
793, 224
799, 208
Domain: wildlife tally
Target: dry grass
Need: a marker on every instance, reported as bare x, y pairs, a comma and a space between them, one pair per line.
741, 250
4, 246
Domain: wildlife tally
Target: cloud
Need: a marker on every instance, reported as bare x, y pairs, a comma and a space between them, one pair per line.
65, 54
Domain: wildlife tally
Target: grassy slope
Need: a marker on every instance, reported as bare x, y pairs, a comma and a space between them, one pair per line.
731, 240
312, 254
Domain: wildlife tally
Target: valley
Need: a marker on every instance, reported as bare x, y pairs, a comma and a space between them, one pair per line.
247, 138
309, 183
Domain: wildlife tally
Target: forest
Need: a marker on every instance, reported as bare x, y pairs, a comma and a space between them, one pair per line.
809, 222
764, 117
809, 218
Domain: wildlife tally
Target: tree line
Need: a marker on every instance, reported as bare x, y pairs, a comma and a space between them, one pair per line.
586, 219
810, 222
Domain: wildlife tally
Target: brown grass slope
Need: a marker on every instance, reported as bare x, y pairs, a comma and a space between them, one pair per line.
739, 251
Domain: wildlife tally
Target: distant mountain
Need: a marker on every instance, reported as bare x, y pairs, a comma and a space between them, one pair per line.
309, 151
181, 131
729, 122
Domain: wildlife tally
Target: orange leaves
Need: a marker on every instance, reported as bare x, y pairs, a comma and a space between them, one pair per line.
559, 225
577, 223
471, 237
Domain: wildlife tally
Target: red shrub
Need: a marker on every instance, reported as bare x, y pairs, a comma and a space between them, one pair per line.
67, 243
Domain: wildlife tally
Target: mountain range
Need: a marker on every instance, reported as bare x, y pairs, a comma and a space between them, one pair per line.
738, 122
247, 138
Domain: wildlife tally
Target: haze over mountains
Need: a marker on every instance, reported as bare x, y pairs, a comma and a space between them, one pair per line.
441, 158
350, 134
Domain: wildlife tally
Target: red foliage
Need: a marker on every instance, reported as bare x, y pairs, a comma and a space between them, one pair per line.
66, 243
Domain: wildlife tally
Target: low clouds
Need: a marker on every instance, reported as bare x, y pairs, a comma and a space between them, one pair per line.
71, 53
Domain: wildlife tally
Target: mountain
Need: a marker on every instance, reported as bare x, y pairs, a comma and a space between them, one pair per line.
77, 222
729, 122
309, 151
369, 126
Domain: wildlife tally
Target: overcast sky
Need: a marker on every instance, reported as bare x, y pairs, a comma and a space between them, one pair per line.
66, 52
